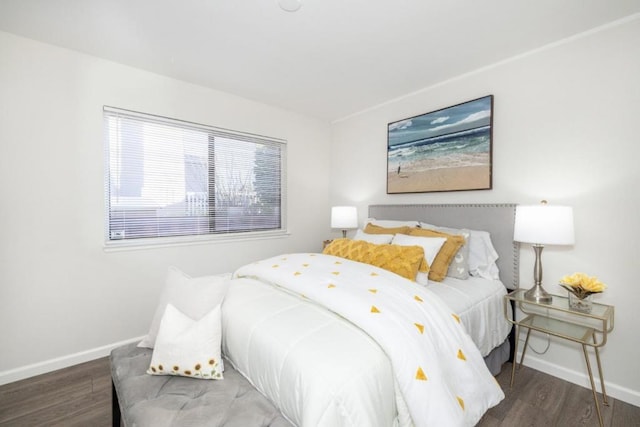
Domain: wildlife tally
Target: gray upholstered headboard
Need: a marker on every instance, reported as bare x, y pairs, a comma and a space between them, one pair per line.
497, 219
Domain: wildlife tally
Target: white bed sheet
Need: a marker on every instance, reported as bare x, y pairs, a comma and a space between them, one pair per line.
479, 303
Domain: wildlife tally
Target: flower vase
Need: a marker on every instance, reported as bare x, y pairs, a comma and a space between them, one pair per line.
582, 305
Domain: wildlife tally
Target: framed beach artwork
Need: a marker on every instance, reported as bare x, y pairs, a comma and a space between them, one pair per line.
444, 150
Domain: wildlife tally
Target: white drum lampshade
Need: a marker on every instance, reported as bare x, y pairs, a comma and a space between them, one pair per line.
344, 218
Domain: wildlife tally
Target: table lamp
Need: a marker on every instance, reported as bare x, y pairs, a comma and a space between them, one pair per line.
344, 217
542, 225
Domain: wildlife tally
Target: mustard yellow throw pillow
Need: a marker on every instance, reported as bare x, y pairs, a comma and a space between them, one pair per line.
402, 260
376, 229
438, 270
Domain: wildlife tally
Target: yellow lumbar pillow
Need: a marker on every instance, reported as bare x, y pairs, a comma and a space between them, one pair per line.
438, 270
402, 260
376, 229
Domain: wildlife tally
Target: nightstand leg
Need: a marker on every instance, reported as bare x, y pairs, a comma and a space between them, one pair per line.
515, 354
604, 393
593, 385
526, 344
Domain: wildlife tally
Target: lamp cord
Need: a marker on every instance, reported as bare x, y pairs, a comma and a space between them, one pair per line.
545, 349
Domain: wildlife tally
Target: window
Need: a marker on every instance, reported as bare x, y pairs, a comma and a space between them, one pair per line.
168, 178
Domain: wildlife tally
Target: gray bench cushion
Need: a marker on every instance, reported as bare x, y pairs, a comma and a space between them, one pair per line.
147, 400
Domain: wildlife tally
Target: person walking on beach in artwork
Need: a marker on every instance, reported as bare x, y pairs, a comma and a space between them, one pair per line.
399, 165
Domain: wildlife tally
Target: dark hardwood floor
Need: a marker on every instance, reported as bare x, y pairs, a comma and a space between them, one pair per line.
540, 400
81, 396
76, 396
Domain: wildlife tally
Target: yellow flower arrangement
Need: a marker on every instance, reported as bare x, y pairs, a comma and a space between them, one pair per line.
582, 285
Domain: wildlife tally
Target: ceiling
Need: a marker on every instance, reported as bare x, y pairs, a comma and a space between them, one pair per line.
330, 59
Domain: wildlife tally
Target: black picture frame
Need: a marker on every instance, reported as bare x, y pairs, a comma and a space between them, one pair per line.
450, 149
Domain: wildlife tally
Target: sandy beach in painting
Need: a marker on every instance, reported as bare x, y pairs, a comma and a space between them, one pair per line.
443, 179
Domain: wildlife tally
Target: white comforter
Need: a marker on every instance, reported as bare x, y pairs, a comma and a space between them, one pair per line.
319, 369
437, 368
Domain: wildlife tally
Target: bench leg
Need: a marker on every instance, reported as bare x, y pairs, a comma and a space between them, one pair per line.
115, 407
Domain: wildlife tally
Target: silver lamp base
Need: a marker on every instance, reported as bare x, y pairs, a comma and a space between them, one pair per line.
538, 294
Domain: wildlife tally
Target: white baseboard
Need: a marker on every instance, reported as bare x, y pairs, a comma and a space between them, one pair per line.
28, 371
580, 378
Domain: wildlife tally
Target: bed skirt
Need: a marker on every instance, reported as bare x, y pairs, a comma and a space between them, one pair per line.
498, 357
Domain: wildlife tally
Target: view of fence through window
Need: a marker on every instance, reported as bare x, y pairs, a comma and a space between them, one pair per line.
169, 178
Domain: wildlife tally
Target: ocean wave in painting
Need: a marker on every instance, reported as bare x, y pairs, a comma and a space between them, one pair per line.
469, 147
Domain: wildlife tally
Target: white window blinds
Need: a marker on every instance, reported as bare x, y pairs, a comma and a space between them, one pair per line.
167, 178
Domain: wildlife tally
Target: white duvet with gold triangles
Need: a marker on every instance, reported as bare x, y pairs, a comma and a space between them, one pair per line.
334, 342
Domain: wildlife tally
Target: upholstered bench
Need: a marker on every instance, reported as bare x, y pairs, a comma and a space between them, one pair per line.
142, 400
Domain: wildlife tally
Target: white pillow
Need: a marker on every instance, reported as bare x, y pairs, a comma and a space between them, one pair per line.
391, 223
378, 239
195, 297
422, 278
482, 254
430, 245
187, 347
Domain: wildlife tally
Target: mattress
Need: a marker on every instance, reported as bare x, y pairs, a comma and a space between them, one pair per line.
479, 303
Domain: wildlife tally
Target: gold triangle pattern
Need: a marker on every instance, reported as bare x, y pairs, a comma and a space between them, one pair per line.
420, 327
420, 374
331, 286
373, 290
461, 355
374, 309
417, 298
455, 316
337, 273
297, 273
460, 402
275, 266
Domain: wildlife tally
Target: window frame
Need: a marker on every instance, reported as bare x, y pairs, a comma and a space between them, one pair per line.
204, 238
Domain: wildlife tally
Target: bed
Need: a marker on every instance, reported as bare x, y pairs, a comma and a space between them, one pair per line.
305, 330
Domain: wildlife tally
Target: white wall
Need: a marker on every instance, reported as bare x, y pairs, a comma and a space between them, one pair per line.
566, 130
62, 297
